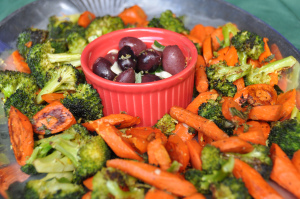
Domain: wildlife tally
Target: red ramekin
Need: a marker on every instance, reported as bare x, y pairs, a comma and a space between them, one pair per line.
149, 101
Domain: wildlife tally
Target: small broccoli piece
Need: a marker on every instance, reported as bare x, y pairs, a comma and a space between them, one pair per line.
87, 153
230, 188
41, 60
85, 103
76, 42
258, 159
248, 42
202, 180
286, 134
11, 81
113, 182
28, 38
63, 78
169, 21
212, 110
24, 101
166, 124
59, 45
53, 186
62, 26
102, 25
261, 75
211, 158
221, 77
227, 30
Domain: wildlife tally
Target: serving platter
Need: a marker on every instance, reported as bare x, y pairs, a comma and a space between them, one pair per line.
206, 12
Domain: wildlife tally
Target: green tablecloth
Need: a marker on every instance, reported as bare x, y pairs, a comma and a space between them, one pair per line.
282, 15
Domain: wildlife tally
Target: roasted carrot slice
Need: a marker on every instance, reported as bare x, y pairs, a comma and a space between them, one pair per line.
227, 106
20, 63
195, 196
195, 152
134, 15
253, 136
201, 98
157, 193
86, 18
268, 113
201, 81
158, 155
21, 135
296, 160
233, 145
52, 119
207, 50
183, 131
154, 176
288, 102
88, 183
51, 97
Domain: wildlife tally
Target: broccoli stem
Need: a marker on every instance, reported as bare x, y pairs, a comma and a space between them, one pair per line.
226, 30
63, 57
277, 65
238, 72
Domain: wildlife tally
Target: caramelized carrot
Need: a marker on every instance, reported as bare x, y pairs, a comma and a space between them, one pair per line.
254, 182
134, 15
207, 50
118, 120
183, 131
53, 118
296, 160
217, 36
231, 57
154, 176
158, 155
20, 63
178, 151
267, 53
239, 83
288, 102
199, 32
233, 145
254, 136
204, 139
197, 122
147, 133
195, 153
157, 193
88, 183
227, 106
51, 97
201, 81
201, 98
87, 195
121, 148
21, 135
86, 18
284, 172
268, 113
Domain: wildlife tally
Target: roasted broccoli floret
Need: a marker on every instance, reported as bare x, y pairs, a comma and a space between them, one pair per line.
59, 45
102, 25
87, 153
211, 158
221, 77
29, 37
76, 42
62, 26
202, 180
169, 21
258, 159
212, 110
62, 78
261, 75
41, 60
230, 188
249, 43
53, 186
11, 81
286, 134
85, 103
113, 182
166, 124
24, 101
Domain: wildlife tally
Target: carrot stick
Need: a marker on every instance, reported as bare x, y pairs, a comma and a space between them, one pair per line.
288, 102
268, 113
52, 118
154, 176
21, 135
258, 188
122, 149
253, 136
134, 15
201, 81
88, 195
233, 145
88, 183
178, 151
157, 193
203, 139
195, 196
158, 155
201, 98
183, 131
118, 120
198, 31
217, 36
197, 122
50, 97
296, 160
239, 83
195, 153
207, 50
86, 18
284, 172
20, 63
10, 174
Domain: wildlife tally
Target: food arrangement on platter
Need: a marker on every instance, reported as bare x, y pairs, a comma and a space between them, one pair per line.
240, 130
